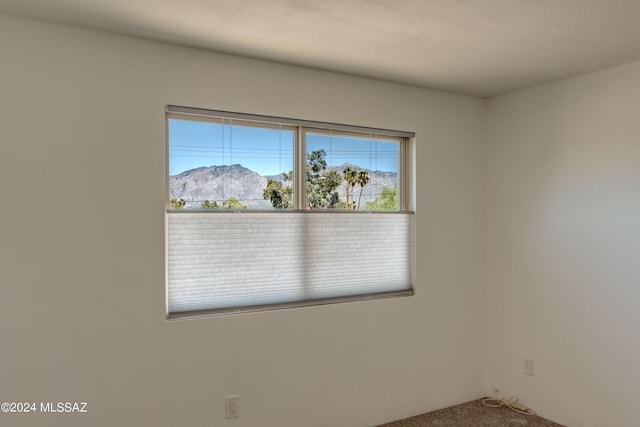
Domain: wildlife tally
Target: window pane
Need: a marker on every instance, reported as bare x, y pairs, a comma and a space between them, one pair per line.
223, 165
345, 172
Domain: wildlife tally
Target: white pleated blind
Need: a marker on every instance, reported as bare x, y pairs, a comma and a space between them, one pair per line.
228, 261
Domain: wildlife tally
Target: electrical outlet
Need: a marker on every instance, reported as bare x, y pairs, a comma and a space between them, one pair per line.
529, 366
232, 406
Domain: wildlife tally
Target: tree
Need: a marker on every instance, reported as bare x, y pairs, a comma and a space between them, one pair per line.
353, 178
362, 180
350, 176
386, 201
209, 205
233, 203
280, 195
321, 185
177, 203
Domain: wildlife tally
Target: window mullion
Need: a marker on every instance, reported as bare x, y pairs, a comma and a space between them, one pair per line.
299, 170
402, 188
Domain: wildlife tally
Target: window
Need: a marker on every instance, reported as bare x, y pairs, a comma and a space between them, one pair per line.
266, 213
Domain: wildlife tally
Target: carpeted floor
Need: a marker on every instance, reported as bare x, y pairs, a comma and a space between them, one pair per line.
473, 414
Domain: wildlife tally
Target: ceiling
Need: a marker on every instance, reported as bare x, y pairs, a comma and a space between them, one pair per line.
476, 47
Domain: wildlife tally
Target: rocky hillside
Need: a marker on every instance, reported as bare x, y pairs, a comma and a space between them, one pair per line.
218, 183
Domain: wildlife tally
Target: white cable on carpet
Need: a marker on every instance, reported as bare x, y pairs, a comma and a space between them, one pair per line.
511, 403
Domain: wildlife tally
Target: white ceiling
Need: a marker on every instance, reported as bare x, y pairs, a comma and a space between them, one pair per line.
476, 47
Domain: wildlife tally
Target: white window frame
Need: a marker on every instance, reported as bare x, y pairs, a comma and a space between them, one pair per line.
405, 185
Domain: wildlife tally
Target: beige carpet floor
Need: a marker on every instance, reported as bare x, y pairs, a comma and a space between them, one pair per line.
473, 414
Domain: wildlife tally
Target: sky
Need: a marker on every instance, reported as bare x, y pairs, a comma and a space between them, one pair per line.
267, 151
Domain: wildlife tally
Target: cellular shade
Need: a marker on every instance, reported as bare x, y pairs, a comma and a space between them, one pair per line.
233, 261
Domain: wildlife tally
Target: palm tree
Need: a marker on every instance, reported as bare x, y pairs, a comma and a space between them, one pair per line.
362, 179
351, 176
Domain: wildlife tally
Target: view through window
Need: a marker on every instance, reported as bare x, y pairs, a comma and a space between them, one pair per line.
236, 164
226, 165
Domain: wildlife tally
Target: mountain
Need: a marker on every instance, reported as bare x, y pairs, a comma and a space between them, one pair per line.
218, 183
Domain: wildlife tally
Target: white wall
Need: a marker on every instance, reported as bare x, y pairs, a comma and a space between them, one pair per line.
563, 209
82, 167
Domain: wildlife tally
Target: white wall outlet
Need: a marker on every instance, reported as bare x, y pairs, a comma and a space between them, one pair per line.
232, 406
529, 366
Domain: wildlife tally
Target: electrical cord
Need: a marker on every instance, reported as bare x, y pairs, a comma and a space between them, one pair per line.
511, 403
